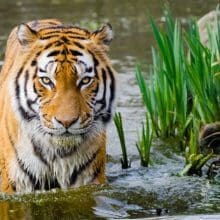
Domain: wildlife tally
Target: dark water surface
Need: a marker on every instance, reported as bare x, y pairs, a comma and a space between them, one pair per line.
137, 192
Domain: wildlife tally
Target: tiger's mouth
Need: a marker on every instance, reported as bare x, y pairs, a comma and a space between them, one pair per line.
68, 132
66, 138
80, 132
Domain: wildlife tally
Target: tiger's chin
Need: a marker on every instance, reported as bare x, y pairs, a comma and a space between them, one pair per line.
65, 138
73, 137
66, 141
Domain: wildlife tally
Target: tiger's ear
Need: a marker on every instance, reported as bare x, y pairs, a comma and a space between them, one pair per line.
104, 35
26, 35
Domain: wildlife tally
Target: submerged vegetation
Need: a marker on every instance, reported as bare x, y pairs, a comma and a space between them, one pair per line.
125, 163
194, 159
144, 143
183, 92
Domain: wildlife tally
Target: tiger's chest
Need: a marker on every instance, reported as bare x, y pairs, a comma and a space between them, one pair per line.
38, 167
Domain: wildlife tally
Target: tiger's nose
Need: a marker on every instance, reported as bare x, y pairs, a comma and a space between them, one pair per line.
67, 121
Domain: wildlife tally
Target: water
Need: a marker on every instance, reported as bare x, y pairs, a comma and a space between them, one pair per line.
136, 192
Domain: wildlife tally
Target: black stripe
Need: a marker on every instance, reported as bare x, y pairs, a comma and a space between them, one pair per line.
89, 69
104, 82
51, 184
76, 37
96, 62
26, 171
23, 113
64, 52
30, 103
79, 45
41, 70
91, 105
33, 63
49, 32
58, 43
59, 33
52, 28
102, 101
34, 76
96, 89
112, 84
81, 168
64, 39
74, 31
26, 77
106, 118
38, 152
37, 185
34, 87
38, 53
96, 173
49, 45
64, 27
54, 53
50, 36
66, 152
75, 53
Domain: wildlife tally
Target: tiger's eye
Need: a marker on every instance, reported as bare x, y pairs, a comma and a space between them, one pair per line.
46, 81
86, 80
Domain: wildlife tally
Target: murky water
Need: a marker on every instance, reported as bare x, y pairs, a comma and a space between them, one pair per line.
136, 192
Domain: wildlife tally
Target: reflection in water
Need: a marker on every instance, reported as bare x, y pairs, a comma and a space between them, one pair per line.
13, 211
112, 208
54, 205
128, 18
137, 192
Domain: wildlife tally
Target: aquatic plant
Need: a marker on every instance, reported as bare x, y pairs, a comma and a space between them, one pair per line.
144, 143
184, 85
166, 96
203, 80
119, 126
202, 74
194, 158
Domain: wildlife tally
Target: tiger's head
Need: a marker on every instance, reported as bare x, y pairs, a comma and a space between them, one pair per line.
65, 84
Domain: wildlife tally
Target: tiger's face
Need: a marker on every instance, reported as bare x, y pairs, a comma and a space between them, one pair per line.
68, 86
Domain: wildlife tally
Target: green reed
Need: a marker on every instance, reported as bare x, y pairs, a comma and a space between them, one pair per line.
119, 126
184, 84
144, 143
202, 74
194, 159
166, 96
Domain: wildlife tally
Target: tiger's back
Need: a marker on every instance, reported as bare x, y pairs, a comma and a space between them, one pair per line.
57, 90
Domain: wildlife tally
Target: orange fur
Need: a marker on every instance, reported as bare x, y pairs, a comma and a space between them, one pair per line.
61, 100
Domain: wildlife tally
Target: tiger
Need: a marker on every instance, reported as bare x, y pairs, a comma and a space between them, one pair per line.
57, 92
